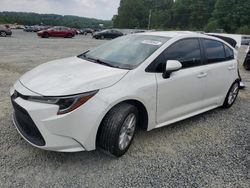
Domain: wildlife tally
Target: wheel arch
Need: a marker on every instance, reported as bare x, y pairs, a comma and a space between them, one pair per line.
143, 114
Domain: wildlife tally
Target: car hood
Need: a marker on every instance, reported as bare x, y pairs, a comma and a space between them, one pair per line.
70, 76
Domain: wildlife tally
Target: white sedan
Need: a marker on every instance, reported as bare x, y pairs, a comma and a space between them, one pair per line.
144, 80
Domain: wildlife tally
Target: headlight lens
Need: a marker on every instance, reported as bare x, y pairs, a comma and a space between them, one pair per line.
66, 104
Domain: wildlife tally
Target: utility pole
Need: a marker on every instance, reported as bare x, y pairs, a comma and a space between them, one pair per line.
149, 18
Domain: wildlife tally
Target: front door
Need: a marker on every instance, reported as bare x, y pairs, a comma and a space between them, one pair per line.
182, 93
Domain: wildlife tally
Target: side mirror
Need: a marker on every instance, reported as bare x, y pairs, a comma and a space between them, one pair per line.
171, 66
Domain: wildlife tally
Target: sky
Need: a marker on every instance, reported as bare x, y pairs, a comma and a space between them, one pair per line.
101, 9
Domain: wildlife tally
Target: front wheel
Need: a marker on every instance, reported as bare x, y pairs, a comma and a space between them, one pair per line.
3, 34
117, 129
45, 35
231, 95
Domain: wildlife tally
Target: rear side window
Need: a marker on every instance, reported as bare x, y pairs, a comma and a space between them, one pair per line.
186, 51
214, 50
229, 53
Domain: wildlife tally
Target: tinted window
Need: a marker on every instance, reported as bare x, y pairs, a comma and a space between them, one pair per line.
186, 51
229, 52
215, 51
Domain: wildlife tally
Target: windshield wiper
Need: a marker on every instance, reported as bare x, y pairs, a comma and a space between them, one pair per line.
105, 63
100, 61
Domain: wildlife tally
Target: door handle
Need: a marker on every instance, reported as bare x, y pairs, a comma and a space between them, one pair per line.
231, 67
202, 75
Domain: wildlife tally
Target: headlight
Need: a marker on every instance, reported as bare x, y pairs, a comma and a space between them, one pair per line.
66, 104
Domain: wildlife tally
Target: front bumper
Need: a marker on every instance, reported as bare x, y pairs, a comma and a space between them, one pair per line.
40, 125
39, 34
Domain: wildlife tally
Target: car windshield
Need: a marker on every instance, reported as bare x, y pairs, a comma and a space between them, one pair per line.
125, 52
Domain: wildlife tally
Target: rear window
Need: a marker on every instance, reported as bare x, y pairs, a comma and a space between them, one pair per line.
214, 50
229, 53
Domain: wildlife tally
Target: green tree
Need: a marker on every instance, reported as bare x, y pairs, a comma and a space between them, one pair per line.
244, 30
212, 26
51, 19
232, 14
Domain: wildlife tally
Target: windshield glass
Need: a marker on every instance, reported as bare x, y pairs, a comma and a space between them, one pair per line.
126, 52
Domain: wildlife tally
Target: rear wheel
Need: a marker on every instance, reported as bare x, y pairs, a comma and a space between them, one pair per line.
118, 128
69, 35
231, 95
3, 34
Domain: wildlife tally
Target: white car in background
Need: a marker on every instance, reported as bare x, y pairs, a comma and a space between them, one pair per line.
144, 80
245, 40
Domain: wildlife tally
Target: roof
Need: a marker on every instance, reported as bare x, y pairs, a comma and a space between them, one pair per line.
174, 34
170, 34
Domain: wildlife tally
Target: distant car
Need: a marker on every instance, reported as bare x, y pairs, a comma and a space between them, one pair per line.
31, 28
57, 32
107, 34
4, 32
245, 40
37, 28
246, 63
86, 31
28, 29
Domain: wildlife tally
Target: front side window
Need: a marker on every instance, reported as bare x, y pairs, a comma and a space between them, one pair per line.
214, 51
186, 51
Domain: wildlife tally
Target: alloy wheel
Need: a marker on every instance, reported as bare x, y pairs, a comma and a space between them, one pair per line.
127, 131
3, 34
233, 93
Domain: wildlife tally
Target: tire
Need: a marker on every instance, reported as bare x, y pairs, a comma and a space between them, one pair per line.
69, 35
247, 64
3, 34
102, 37
114, 135
46, 35
231, 95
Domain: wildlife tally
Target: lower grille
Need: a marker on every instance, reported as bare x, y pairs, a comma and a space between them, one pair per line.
26, 125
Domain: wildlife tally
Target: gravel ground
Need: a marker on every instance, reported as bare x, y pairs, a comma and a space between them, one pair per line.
208, 150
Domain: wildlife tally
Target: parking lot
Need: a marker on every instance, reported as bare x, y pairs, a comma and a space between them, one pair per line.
208, 150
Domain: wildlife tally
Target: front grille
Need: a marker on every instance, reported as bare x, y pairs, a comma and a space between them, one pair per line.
26, 125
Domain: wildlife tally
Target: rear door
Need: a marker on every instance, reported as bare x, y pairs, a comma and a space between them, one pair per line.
181, 94
221, 66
